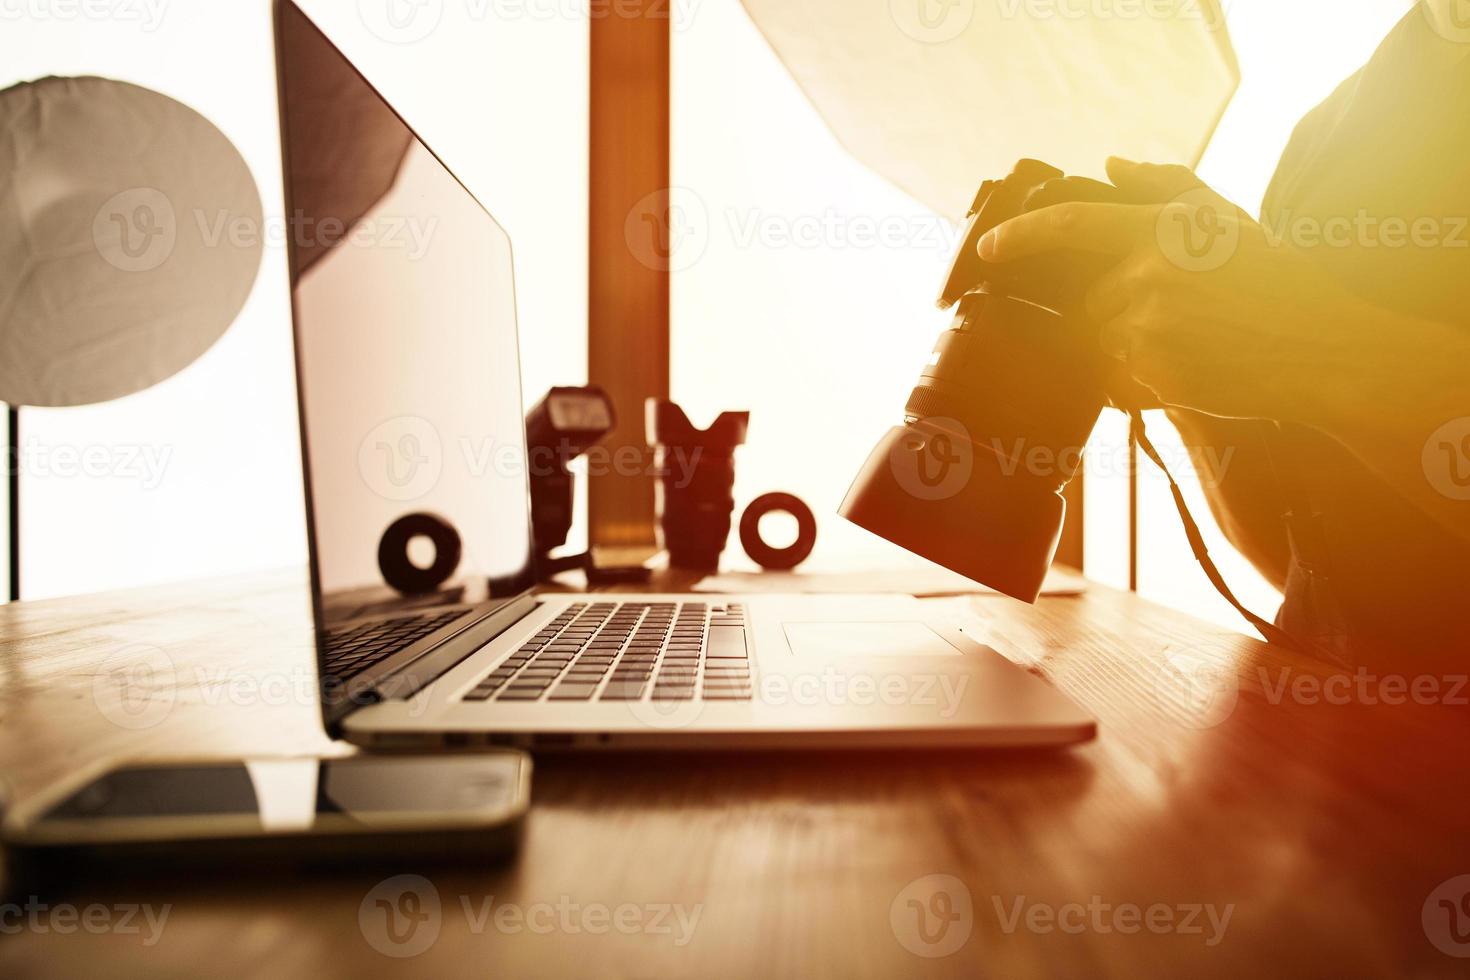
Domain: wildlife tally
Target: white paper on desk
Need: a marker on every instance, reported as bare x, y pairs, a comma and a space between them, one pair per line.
937, 95
920, 582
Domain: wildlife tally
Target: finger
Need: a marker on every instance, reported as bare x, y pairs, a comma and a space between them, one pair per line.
1111, 295
1115, 337
1151, 371
1108, 229
1152, 182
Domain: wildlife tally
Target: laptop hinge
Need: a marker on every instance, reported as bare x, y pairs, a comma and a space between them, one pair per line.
413, 677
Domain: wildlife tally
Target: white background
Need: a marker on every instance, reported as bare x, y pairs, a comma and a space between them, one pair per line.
822, 344
503, 101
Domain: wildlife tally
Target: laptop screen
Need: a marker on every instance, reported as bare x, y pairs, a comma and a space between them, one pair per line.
405, 320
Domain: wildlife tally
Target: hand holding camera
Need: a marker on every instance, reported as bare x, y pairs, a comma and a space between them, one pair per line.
995, 429
1205, 307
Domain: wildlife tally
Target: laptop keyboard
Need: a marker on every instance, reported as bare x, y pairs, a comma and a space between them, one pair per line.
629, 651
351, 651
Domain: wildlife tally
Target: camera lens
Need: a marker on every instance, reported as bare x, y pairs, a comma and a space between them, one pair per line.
995, 427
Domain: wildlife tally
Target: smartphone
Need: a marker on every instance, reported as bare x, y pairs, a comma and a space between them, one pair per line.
270, 811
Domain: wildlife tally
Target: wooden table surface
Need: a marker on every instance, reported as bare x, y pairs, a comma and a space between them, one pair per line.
1243, 812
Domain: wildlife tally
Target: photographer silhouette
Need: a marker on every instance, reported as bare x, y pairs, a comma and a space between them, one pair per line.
1341, 317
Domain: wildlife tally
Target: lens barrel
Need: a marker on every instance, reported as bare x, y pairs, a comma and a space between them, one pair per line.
1024, 383
995, 428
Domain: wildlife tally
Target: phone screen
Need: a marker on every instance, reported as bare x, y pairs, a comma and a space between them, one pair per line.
298, 795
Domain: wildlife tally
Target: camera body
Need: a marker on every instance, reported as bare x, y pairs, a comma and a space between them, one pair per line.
994, 430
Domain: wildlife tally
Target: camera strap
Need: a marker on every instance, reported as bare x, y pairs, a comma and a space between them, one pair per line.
1271, 632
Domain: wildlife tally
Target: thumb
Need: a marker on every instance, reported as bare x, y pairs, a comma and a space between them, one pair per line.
1152, 182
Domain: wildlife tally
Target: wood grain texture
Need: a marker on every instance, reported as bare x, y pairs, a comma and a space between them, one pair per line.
1322, 827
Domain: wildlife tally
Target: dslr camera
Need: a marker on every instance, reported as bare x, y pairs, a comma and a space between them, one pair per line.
1018, 377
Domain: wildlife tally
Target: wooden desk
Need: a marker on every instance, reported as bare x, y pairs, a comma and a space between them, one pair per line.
1322, 827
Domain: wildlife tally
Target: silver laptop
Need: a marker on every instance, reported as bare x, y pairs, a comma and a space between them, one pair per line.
410, 398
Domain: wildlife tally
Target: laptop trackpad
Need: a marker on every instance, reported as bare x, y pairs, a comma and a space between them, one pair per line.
833, 640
